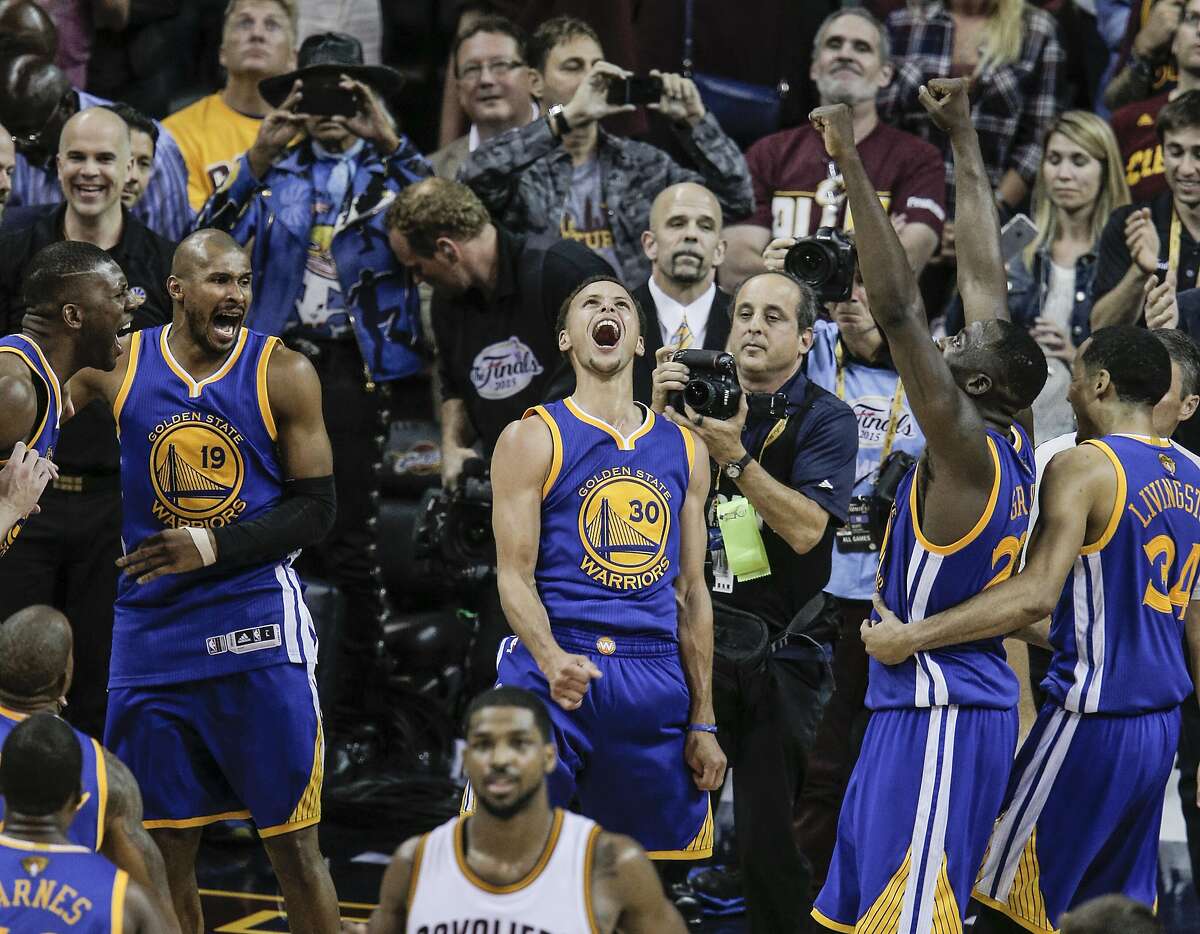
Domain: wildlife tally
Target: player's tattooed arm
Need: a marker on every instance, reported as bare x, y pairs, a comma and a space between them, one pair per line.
520, 468
627, 894
127, 843
396, 890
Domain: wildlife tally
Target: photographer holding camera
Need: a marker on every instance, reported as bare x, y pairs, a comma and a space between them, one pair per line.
789, 450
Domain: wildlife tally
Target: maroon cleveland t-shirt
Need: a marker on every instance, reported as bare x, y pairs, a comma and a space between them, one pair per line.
792, 187
1141, 152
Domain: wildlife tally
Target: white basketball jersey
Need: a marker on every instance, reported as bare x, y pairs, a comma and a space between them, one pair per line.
551, 899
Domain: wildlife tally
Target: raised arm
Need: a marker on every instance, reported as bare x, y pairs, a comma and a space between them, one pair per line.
126, 842
695, 623
956, 439
521, 468
1075, 503
981, 279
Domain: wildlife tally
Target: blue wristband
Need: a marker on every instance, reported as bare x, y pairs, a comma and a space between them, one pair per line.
702, 728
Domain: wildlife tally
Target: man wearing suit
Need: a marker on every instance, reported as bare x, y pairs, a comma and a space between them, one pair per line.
684, 308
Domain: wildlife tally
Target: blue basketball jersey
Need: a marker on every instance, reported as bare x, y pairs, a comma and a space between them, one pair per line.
55, 887
201, 454
87, 829
609, 549
1118, 628
918, 579
45, 431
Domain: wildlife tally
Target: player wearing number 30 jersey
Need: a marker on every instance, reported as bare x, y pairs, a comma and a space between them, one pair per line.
1120, 524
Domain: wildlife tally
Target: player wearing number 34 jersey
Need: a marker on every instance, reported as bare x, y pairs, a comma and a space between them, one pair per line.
1114, 558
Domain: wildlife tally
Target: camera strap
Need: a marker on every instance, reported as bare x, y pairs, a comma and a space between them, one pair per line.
889, 438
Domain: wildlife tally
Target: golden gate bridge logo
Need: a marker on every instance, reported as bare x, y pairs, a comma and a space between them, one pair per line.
623, 524
196, 470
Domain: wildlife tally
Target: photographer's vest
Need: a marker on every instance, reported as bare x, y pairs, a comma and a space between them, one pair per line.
794, 579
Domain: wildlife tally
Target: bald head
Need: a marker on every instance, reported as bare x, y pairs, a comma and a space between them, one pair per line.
26, 28
31, 87
198, 250
97, 124
35, 652
684, 240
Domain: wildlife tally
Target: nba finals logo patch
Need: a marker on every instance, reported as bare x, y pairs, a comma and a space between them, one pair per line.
196, 471
1168, 464
503, 369
624, 522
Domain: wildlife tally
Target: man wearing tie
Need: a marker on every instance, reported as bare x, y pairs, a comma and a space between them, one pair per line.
684, 308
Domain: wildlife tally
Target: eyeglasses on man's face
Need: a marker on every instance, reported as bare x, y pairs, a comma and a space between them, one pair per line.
469, 74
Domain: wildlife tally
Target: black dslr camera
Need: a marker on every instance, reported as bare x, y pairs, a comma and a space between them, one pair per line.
825, 261
454, 534
713, 388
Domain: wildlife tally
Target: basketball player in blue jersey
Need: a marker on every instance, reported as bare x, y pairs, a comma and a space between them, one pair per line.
77, 298
926, 788
225, 473
600, 540
48, 883
1119, 522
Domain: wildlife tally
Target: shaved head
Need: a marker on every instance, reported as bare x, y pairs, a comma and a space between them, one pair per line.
99, 124
684, 192
56, 274
197, 250
30, 89
26, 28
35, 652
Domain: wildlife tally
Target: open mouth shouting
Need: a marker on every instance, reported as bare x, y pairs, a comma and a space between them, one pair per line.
225, 324
607, 332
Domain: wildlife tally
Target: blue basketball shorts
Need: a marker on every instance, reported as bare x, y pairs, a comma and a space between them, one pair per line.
620, 755
915, 821
1082, 815
243, 745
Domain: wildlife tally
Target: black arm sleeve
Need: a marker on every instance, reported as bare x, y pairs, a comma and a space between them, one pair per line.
303, 517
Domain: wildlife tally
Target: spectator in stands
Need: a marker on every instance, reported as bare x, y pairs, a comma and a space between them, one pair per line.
1146, 68
566, 176
325, 279
361, 19
8, 162
793, 191
1161, 238
1013, 58
143, 137
258, 40
67, 558
1133, 124
1050, 283
682, 304
495, 87
76, 21
27, 29
36, 100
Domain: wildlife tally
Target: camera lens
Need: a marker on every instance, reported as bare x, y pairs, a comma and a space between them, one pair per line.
809, 262
698, 394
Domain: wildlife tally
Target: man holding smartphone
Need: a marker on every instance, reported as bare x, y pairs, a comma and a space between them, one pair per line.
325, 279
565, 176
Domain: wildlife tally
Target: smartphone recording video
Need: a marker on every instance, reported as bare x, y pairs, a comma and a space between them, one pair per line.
637, 89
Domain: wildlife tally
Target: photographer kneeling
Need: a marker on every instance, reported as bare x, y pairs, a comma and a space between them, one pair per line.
793, 470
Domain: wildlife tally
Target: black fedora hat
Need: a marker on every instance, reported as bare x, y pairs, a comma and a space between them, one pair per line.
329, 54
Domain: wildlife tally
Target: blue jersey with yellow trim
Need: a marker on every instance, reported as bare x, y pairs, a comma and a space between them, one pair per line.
918, 579
609, 549
87, 829
201, 453
45, 432
1117, 631
56, 887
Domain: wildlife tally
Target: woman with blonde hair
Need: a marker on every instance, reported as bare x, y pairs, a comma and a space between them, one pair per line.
1080, 182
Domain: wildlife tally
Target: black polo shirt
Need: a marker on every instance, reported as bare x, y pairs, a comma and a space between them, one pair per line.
1113, 259
499, 354
88, 443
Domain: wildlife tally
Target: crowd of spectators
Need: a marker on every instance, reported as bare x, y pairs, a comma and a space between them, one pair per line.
1088, 115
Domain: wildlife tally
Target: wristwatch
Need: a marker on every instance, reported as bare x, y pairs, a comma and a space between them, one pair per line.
734, 470
558, 122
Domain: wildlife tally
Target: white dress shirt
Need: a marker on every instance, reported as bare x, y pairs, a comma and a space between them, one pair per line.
671, 314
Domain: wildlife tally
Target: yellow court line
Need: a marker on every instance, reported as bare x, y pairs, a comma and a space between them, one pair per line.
258, 897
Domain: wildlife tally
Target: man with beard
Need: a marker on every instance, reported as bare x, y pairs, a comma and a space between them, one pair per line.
797, 188
684, 308
226, 471
517, 861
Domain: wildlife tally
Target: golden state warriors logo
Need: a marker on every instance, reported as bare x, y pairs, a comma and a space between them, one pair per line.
624, 523
196, 471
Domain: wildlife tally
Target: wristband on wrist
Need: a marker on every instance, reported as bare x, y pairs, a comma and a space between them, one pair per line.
203, 545
702, 728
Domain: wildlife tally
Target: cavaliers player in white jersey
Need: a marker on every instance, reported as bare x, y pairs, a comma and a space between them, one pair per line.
516, 861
